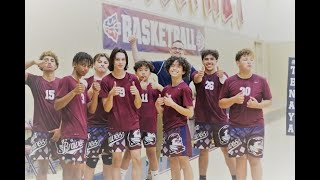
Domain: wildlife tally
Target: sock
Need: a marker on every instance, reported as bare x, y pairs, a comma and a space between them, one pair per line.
155, 174
234, 177
203, 177
123, 173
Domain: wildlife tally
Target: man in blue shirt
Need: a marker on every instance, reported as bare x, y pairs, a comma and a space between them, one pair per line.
163, 76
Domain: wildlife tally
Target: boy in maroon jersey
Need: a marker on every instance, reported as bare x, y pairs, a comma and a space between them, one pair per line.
246, 94
46, 120
211, 122
175, 104
147, 116
97, 124
121, 98
73, 100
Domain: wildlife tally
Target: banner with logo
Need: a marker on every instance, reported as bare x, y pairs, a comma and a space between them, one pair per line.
153, 33
291, 98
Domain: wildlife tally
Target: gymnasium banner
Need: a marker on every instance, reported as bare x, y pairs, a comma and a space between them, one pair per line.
290, 127
154, 33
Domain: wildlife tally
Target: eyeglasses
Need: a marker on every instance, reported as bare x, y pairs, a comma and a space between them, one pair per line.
175, 48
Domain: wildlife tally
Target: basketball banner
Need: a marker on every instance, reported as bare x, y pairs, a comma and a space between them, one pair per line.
153, 33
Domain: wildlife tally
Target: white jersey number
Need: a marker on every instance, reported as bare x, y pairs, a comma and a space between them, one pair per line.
49, 95
209, 85
144, 97
122, 92
245, 90
82, 99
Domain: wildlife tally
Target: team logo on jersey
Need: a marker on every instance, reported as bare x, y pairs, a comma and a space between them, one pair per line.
255, 146
200, 135
112, 27
224, 136
233, 145
115, 138
134, 138
36, 145
70, 147
176, 145
93, 144
150, 138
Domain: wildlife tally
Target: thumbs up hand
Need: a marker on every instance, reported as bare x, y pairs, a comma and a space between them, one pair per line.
252, 103
160, 100
239, 98
79, 88
133, 89
96, 86
219, 72
201, 72
155, 84
168, 101
115, 90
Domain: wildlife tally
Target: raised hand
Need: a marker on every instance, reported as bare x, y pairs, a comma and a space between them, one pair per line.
56, 134
39, 63
219, 72
201, 72
96, 86
160, 100
133, 89
132, 39
80, 88
252, 103
168, 101
115, 90
239, 98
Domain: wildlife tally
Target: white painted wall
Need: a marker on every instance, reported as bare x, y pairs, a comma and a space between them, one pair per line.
280, 21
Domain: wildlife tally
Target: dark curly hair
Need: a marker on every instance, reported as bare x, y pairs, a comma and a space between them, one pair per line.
186, 67
82, 57
206, 52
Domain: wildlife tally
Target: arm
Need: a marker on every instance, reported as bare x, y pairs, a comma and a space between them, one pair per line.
157, 86
90, 92
222, 76
137, 101
108, 103
159, 109
60, 103
31, 63
134, 48
265, 103
188, 111
56, 133
223, 79
253, 103
135, 92
92, 105
95, 89
159, 102
225, 103
198, 76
